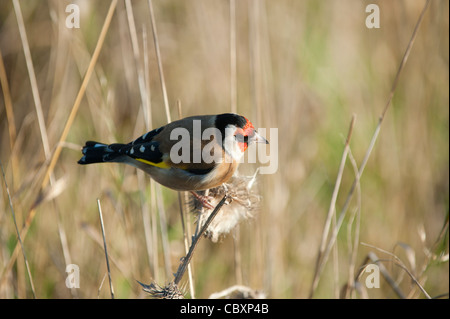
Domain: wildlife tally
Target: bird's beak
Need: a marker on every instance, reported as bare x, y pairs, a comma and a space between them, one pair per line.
259, 139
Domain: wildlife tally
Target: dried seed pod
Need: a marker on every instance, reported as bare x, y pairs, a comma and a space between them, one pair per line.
170, 291
244, 200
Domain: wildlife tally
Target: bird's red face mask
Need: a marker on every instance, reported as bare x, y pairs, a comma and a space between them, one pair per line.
243, 135
248, 135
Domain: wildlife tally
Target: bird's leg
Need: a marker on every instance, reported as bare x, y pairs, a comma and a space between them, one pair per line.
203, 200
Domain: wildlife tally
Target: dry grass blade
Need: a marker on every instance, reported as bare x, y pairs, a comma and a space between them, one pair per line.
56, 187
111, 289
398, 262
158, 58
391, 93
8, 103
182, 268
186, 230
319, 266
164, 230
332, 209
372, 258
171, 290
65, 132
353, 247
139, 70
81, 92
10, 117
233, 68
18, 233
186, 244
32, 77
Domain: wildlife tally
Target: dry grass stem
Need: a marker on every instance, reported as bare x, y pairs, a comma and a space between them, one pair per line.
80, 95
186, 260
356, 214
324, 255
186, 244
145, 100
233, 71
158, 57
111, 289
370, 259
57, 152
9, 115
186, 230
13, 214
397, 262
332, 210
32, 77
171, 291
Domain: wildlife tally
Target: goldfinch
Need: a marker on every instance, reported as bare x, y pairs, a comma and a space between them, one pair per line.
206, 156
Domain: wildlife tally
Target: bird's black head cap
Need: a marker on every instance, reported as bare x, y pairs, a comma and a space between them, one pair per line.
222, 120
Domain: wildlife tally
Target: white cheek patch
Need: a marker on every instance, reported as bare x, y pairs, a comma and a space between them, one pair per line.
232, 147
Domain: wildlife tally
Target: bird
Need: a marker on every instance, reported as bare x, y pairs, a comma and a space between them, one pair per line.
206, 156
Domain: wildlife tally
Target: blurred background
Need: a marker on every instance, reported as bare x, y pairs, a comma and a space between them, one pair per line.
303, 67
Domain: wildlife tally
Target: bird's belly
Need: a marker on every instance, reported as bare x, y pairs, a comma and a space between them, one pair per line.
182, 180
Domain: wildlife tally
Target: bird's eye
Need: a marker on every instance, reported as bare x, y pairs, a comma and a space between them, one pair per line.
241, 138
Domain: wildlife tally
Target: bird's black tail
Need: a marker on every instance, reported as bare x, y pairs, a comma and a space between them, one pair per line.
94, 152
